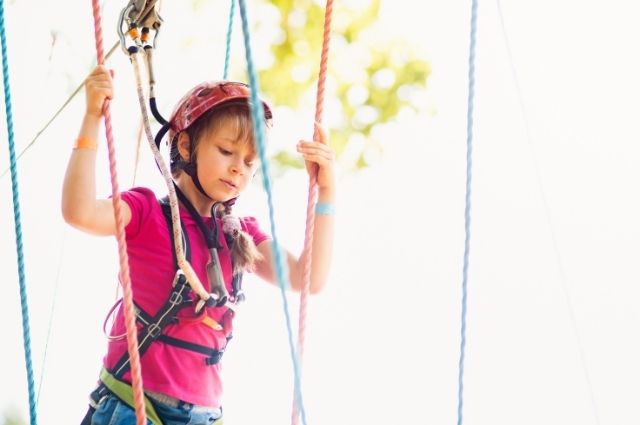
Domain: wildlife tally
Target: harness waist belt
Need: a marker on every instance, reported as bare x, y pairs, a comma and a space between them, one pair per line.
175, 403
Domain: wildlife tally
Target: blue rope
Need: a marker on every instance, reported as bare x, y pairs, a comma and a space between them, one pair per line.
16, 214
227, 55
467, 208
258, 119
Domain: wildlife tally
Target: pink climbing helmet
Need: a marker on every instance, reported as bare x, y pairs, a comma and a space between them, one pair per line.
206, 96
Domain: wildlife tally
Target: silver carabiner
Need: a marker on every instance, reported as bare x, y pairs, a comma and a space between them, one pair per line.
138, 14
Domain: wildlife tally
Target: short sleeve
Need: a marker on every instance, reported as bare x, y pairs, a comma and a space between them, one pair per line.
251, 226
140, 201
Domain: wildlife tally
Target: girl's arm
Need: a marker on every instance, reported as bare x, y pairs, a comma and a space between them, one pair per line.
80, 207
316, 154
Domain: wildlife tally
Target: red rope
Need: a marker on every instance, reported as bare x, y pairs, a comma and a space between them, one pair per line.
125, 280
312, 197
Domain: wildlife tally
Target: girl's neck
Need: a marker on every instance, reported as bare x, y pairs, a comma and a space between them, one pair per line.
200, 202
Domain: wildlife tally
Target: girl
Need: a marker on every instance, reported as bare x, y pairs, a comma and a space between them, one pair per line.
213, 159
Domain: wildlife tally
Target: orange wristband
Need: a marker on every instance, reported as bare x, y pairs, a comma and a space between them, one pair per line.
85, 143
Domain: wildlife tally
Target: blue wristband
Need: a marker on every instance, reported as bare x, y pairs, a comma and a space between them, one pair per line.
325, 208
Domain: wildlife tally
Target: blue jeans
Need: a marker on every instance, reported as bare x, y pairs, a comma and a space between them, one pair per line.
111, 411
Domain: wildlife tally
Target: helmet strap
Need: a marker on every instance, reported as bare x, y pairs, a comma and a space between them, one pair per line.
160, 135
191, 168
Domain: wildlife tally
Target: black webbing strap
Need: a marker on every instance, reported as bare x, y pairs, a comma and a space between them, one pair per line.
210, 235
186, 246
213, 356
218, 290
154, 325
151, 331
178, 299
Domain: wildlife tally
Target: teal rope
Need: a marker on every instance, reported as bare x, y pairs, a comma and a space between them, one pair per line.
227, 55
467, 208
26, 334
281, 271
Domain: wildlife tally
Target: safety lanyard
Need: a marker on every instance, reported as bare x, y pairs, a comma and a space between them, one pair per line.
214, 270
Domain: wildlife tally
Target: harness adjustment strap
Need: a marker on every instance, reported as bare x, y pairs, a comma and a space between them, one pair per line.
213, 355
153, 328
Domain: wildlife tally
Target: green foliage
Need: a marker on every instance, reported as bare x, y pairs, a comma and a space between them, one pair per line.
372, 76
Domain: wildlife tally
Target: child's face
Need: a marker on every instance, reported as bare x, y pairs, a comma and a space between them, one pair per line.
225, 165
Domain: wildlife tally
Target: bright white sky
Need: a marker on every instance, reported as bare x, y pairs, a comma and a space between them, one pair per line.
553, 281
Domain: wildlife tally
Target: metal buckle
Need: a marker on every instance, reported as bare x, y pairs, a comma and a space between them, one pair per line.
154, 330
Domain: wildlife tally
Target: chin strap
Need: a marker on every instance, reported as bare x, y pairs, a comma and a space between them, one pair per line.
191, 168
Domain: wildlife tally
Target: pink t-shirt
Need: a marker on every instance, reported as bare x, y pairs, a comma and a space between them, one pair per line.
167, 369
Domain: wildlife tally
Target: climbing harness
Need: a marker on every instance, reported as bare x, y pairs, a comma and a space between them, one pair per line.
180, 297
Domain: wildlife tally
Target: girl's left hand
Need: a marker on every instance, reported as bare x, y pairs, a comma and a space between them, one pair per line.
319, 158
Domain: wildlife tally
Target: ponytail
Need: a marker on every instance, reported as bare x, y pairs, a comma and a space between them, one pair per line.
244, 253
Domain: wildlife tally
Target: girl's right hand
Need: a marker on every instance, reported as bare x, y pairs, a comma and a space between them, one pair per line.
98, 87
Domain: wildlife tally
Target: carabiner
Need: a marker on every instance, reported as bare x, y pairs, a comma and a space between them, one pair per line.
138, 14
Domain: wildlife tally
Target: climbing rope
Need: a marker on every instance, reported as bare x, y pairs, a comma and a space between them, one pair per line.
467, 208
125, 279
26, 333
312, 196
227, 53
281, 271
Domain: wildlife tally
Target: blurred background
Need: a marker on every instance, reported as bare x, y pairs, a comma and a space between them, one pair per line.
553, 281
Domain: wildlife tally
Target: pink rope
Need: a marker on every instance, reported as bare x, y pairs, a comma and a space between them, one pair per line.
312, 198
125, 279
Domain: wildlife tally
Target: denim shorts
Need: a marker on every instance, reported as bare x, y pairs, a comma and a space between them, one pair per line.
112, 411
